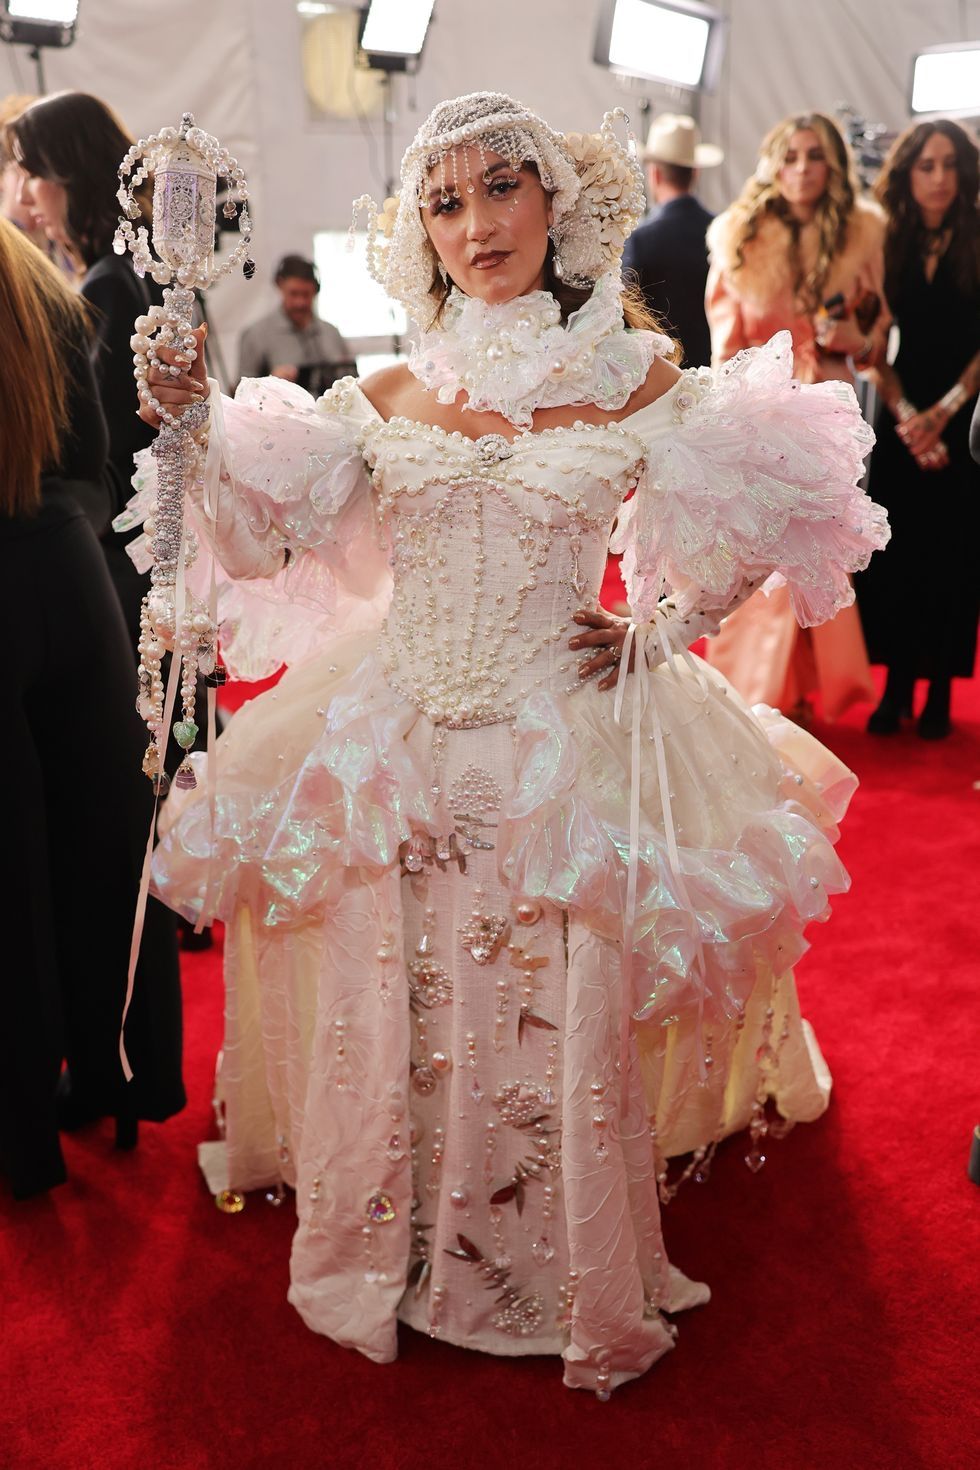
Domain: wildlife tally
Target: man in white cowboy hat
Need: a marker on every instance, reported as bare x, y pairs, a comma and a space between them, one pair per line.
667, 254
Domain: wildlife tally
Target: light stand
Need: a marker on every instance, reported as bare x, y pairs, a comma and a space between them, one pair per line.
391, 36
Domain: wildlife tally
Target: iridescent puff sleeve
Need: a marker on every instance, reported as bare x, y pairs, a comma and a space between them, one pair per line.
757, 477
285, 509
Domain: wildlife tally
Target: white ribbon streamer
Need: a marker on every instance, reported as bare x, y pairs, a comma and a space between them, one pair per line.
641, 637
143, 893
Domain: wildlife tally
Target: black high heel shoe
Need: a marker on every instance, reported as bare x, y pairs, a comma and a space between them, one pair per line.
127, 1130
886, 719
934, 722
895, 706
74, 1114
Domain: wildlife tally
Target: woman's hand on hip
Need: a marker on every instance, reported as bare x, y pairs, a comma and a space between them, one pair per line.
606, 634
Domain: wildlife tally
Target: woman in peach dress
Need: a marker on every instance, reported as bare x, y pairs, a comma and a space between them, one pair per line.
798, 250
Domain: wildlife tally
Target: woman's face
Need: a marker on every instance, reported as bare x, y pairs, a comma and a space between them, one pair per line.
933, 179
47, 204
805, 171
493, 240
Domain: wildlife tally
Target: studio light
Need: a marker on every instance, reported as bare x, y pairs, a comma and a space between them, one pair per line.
678, 43
946, 79
38, 22
394, 31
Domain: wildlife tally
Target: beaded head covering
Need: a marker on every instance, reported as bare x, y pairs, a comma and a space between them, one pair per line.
595, 184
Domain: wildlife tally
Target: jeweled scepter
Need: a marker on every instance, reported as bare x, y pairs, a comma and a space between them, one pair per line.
186, 164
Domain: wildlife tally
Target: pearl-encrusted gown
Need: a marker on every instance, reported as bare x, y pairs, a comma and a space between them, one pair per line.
429, 839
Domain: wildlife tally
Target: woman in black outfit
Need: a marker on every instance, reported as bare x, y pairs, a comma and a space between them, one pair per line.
921, 469
70, 146
76, 806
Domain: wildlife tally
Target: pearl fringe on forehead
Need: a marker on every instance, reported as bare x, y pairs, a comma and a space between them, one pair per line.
595, 184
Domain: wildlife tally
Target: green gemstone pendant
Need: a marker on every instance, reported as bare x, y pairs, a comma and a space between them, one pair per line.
185, 733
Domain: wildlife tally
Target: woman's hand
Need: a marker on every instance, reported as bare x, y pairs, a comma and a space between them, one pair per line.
843, 338
176, 394
606, 635
936, 458
921, 432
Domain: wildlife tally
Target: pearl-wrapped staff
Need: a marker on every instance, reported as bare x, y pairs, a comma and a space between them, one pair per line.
186, 164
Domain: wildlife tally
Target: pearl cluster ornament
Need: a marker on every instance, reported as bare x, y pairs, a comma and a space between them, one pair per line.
186, 164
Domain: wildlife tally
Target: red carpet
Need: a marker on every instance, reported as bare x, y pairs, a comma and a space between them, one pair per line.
139, 1326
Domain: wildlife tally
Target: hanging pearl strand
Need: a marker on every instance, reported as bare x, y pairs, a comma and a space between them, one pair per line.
187, 164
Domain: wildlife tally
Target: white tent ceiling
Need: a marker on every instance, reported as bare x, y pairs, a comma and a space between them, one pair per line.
236, 65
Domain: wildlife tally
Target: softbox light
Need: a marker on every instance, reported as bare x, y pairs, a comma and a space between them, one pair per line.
678, 43
946, 79
38, 22
393, 33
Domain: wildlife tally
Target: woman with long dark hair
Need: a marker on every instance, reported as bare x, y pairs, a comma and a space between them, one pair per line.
921, 467
69, 147
76, 810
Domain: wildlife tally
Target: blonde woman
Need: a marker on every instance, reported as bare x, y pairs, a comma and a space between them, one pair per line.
798, 251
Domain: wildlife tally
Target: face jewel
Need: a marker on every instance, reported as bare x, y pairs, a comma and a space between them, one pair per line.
483, 935
380, 1209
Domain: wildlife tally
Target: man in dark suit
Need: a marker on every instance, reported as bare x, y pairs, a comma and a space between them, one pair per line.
667, 254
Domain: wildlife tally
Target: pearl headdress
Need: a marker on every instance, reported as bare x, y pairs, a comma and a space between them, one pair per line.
595, 184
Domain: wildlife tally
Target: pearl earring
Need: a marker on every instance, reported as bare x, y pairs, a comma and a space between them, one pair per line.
556, 262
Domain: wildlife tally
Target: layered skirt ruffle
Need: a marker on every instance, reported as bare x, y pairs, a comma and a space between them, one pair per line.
331, 772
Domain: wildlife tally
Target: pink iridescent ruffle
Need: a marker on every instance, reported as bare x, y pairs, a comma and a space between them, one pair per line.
755, 803
286, 473
755, 838
314, 777
759, 475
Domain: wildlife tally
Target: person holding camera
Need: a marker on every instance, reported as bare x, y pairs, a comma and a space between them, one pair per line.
292, 342
798, 251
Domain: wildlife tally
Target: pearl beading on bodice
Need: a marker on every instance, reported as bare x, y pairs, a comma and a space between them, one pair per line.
495, 544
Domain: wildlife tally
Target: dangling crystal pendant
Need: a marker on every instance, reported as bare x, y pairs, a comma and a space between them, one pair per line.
484, 935
185, 780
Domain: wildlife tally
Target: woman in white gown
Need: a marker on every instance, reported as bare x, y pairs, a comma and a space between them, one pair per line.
504, 931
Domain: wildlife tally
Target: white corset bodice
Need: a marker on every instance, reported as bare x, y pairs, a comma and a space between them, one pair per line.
495, 544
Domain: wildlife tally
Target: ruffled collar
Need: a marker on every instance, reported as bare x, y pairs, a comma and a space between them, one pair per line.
517, 357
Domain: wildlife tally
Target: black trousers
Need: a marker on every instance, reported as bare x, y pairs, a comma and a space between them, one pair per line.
76, 810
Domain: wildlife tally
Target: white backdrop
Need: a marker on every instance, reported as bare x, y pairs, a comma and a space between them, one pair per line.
236, 65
